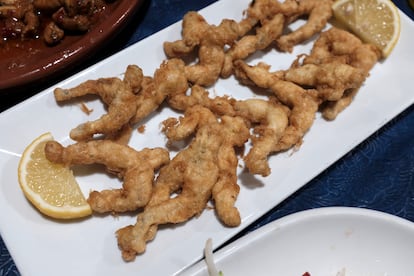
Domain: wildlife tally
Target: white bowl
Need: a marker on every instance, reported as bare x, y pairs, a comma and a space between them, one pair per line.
321, 241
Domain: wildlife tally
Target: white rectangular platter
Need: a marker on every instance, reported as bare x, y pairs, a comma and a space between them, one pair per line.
41, 246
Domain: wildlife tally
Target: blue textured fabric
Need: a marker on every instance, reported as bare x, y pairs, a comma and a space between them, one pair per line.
378, 174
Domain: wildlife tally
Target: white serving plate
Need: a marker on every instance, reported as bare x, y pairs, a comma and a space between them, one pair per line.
322, 242
43, 246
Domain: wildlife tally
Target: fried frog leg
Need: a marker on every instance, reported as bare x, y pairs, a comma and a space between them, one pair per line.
269, 31
220, 105
302, 103
205, 169
318, 12
269, 17
117, 94
197, 119
272, 120
331, 80
339, 46
269, 119
210, 40
136, 168
168, 80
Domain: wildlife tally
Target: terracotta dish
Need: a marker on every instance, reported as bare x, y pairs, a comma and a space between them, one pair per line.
32, 60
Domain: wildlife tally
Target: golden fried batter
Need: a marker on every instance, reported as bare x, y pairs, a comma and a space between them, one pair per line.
207, 168
136, 168
200, 96
269, 31
116, 93
342, 46
272, 120
339, 46
210, 40
168, 80
265, 9
318, 12
331, 80
302, 104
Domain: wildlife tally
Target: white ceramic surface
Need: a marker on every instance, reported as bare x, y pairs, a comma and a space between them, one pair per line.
41, 246
321, 242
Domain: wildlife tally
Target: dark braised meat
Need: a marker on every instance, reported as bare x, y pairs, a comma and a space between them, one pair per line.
49, 19
47, 5
18, 19
77, 22
52, 33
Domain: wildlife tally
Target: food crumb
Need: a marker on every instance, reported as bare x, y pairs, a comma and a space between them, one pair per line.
85, 109
141, 129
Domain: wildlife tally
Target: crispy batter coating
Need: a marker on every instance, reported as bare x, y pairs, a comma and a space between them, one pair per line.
133, 77
210, 40
331, 80
330, 110
136, 168
207, 168
339, 46
267, 19
318, 12
220, 105
264, 9
117, 94
302, 104
271, 119
122, 136
197, 119
168, 80
267, 33
193, 28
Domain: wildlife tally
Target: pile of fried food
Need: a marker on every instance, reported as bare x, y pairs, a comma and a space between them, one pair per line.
164, 190
49, 19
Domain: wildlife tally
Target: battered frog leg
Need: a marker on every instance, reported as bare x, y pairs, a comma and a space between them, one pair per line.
226, 189
318, 11
136, 168
301, 102
211, 41
117, 94
196, 171
342, 46
194, 118
339, 46
168, 80
331, 80
272, 120
269, 31
363, 57
220, 105
193, 29
265, 9
330, 110
132, 239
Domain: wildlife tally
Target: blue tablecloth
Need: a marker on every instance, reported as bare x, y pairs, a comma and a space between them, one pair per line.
378, 174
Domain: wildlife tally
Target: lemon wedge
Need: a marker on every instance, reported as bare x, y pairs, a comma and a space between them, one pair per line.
374, 21
51, 188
